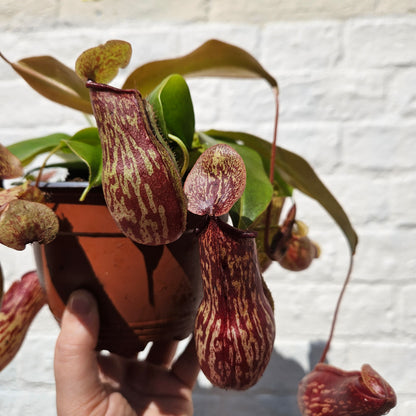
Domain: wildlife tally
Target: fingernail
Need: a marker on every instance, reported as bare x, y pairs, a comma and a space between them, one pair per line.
80, 303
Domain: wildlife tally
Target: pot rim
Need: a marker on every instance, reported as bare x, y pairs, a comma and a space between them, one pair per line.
71, 191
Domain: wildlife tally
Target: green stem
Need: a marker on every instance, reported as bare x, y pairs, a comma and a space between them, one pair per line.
185, 152
52, 152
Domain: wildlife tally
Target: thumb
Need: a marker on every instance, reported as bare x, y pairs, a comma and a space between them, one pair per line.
76, 369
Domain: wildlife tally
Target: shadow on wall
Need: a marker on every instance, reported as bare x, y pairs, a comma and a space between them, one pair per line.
274, 395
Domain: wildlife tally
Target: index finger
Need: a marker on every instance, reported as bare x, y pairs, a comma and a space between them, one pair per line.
186, 367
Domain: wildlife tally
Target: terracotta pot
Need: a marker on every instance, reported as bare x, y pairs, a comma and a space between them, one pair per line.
144, 293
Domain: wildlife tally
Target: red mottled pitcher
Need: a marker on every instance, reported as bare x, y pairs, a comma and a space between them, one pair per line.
328, 390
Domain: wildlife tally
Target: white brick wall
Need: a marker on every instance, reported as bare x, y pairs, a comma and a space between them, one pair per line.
348, 104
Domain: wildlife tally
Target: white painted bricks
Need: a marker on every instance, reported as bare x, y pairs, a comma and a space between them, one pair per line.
348, 104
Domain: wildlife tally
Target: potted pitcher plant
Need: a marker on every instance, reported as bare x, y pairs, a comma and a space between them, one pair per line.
169, 227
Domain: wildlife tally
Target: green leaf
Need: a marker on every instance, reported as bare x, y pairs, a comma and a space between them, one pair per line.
258, 191
101, 63
87, 146
213, 58
172, 104
271, 218
27, 150
55, 81
76, 168
298, 173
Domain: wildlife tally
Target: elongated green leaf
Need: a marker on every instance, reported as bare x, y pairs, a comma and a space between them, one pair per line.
84, 146
258, 191
76, 167
55, 81
57, 71
298, 173
87, 146
213, 58
270, 218
172, 104
27, 150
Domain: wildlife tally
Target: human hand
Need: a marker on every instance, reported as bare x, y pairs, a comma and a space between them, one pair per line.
91, 384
